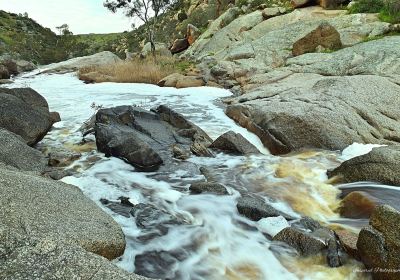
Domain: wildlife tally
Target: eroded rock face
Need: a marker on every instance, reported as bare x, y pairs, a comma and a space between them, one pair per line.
313, 111
380, 165
53, 210
14, 152
379, 243
146, 139
25, 113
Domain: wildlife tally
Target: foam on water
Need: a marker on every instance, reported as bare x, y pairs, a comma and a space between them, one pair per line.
213, 241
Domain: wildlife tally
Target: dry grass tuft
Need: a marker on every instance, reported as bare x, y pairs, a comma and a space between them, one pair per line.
138, 70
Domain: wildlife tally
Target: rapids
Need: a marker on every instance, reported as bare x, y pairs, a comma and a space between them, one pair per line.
214, 241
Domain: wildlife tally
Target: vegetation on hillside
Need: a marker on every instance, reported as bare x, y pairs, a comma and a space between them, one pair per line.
389, 10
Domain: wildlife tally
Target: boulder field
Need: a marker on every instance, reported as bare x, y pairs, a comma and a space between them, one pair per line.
311, 78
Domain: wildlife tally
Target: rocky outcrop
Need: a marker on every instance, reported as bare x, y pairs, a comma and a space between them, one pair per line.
146, 139
25, 113
379, 243
27, 258
314, 111
14, 152
232, 142
380, 165
326, 4
46, 209
74, 64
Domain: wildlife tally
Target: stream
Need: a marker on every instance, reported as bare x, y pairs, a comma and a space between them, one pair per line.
213, 241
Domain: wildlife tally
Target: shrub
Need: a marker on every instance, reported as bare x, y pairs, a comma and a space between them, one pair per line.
138, 70
389, 10
367, 6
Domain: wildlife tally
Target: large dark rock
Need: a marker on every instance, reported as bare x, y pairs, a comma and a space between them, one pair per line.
146, 139
379, 243
14, 152
313, 111
44, 208
234, 143
380, 165
255, 208
26, 113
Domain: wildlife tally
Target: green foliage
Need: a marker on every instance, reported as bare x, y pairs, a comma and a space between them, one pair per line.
367, 6
389, 10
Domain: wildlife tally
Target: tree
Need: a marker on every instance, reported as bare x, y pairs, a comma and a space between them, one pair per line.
64, 29
145, 10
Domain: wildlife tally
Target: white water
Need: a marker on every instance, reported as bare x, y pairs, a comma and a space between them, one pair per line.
215, 242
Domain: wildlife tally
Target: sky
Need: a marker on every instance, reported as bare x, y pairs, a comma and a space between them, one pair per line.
82, 16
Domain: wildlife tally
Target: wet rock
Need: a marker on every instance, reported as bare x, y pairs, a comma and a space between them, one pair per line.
307, 224
57, 211
55, 117
153, 221
62, 158
215, 188
180, 153
147, 216
380, 165
123, 209
24, 257
348, 241
5, 81
325, 35
256, 208
26, 113
58, 173
309, 243
358, 205
146, 139
379, 243
15, 152
234, 143
116, 136
158, 264
303, 242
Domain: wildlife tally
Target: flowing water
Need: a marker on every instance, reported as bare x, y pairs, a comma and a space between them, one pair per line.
213, 241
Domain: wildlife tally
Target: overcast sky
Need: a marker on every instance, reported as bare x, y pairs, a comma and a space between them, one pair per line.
83, 16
